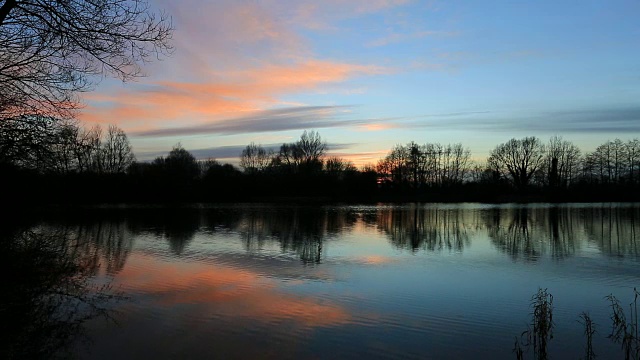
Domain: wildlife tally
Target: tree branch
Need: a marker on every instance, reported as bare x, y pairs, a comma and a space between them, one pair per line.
6, 9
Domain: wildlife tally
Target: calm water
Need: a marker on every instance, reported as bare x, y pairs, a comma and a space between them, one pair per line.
415, 281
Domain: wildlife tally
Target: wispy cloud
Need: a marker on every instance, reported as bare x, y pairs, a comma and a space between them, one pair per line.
291, 118
596, 120
233, 151
218, 95
397, 37
281, 119
314, 15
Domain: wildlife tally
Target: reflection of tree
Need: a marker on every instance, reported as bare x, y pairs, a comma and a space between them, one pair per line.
298, 229
530, 232
50, 295
179, 231
515, 238
108, 241
176, 225
429, 228
104, 236
563, 230
613, 229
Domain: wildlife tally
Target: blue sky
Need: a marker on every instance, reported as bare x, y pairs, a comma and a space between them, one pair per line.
371, 74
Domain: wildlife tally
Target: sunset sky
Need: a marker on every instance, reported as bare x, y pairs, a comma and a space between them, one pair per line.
369, 74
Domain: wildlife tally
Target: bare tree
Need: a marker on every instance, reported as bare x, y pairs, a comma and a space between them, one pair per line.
27, 141
50, 49
433, 164
88, 149
63, 149
394, 165
303, 155
458, 161
311, 147
116, 153
633, 160
607, 164
562, 162
338, 167
518, 159
254, 158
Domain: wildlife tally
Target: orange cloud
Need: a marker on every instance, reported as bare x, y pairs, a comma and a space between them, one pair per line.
362, 158
240, 91
377, 127
234, 58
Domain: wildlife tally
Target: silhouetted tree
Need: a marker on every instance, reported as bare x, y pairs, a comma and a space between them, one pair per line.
518, 159
116, 154
254, 158
311, 148
606, 164
88, 149
26, 141
394, 166
428, 164
179, 168
63, 149
337, 167
633, 160
562, 162
303, 156
50, 49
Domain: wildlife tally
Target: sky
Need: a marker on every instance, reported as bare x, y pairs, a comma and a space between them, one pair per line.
370, 74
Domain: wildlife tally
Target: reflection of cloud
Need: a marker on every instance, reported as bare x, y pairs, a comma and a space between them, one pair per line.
226, 291
374, 259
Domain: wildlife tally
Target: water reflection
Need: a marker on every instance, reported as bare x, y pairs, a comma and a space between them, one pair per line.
522, 232
426, 228
613, 229
202, 273
530, 232
50, 294
514, 231
108, 242
300, 230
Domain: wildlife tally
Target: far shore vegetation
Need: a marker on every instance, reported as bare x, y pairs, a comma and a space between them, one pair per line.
47, 160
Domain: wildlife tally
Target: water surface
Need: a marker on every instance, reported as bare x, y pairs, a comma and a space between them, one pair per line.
413, 281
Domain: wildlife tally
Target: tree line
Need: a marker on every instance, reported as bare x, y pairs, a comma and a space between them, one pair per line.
50, 158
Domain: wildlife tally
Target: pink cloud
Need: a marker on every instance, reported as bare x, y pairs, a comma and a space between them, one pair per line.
240, 91
234, 57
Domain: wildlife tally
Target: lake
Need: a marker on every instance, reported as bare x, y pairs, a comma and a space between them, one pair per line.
434, 281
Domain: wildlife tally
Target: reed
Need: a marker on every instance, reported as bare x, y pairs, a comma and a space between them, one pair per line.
540, 331
589, 330
623, 331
